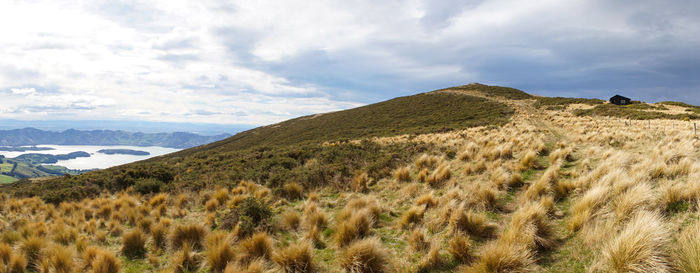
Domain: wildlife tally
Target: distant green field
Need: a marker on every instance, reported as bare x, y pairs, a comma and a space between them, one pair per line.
4, 179
5, 167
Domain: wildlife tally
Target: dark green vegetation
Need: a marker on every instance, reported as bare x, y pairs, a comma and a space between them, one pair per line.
494, 91
559, 101
36, 159
31, 136
123, 152
630, 112
293, 150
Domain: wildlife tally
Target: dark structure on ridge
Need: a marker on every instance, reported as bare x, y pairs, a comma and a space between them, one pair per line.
620, 100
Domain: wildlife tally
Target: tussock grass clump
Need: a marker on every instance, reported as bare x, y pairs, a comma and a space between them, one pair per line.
296, 258
638, 197
687, 250
529, 161
158, 199
134, 244
582, 209
191, 234
219, 255
426, 161
460, 248
501, 257
186, 260
259, 245
441, 174
106, 262
17, 264
293, 190
417, 240
366, 255
469, 152
531, 227
291, 219
472, 223
427, 200
642, 246
5, 253
356, 227
62, 259
221, 195
412, 216
432, 260
402, 174
212, 205
360, 182
422, 175
475, 167
33, 250
159, 235
314, 217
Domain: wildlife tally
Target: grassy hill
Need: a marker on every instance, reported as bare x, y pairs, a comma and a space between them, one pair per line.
276, 153
417, 114
550, 191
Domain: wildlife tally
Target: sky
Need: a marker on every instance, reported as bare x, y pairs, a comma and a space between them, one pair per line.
259, 62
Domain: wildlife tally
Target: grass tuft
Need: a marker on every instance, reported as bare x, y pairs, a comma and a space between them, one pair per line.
367, 255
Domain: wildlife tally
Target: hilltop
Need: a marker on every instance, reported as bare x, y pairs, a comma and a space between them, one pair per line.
473, 178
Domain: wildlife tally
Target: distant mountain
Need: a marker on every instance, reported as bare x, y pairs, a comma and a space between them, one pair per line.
32, 136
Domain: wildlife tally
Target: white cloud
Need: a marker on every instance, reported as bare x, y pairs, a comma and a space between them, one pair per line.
23, 91
262, 61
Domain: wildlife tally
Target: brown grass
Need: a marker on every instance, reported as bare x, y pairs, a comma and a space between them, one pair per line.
134, 244
33, 248
432, 260
417, 240
257, 246
296, 258
219, 255
411, 217
185, 260
293, 190
105, 262
687, 251
471, 223
356, 227
212, 205
62, 259
291, 219
402, 174
360, 182
642, 246
190, 234
366, 255
17, 264
460, 248
499, 257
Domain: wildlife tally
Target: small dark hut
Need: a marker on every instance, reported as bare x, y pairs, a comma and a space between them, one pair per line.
620, 100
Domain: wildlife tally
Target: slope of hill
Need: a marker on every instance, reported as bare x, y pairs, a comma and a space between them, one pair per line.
31, 136
276, 153
548, 191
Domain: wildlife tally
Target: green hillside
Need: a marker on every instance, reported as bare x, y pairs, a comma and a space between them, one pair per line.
293, 150
6, 179
422, 113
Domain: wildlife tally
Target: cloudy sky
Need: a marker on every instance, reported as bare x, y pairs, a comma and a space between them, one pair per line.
258, 62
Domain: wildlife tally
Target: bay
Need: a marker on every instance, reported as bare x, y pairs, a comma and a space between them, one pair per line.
96, 160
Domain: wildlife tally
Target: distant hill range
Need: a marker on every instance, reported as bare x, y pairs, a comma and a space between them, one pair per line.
32, 136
